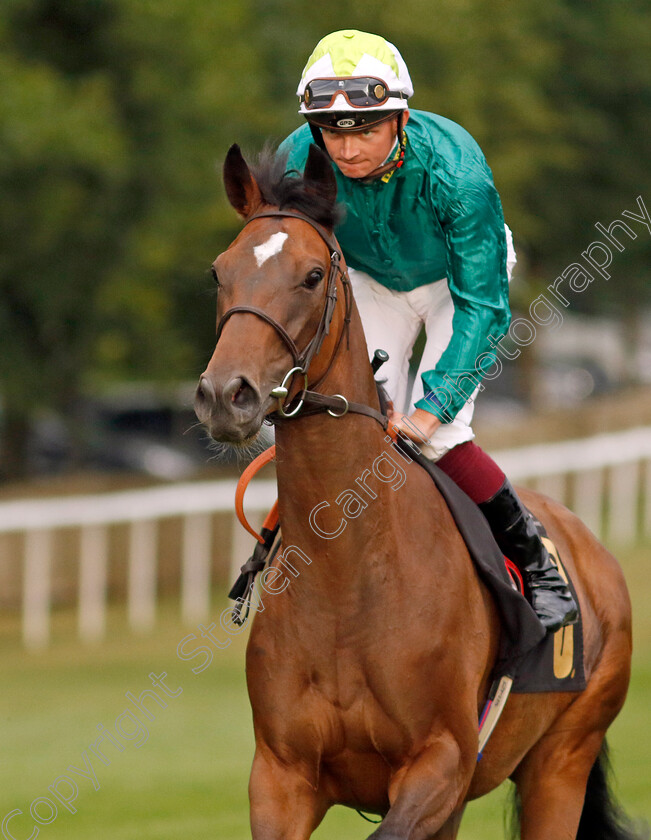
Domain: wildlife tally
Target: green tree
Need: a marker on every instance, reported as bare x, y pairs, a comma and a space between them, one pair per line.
601, 88
113, 115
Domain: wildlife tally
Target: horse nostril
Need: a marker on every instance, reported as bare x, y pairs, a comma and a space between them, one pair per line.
241, 394
205, 392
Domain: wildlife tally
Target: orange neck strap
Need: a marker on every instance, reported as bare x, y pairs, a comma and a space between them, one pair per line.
254, 467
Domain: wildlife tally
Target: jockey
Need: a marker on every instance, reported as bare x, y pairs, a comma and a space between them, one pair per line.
426, 245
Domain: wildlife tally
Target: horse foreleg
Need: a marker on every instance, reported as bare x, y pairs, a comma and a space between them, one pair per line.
284, 805
426, 795
450, 830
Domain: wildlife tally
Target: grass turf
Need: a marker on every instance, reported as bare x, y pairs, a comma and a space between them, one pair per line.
188, 777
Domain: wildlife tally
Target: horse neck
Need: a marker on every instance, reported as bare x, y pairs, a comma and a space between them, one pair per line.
318, 457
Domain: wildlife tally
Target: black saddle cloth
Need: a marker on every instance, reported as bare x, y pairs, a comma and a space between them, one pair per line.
536, 660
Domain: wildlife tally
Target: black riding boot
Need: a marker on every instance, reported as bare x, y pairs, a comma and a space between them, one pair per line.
515, 532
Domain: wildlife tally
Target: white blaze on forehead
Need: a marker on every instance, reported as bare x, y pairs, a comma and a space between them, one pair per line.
273, 246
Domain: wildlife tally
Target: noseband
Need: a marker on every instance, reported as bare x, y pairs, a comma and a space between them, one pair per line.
335, 405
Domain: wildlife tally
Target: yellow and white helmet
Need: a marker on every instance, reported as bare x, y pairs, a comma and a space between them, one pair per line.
353, 80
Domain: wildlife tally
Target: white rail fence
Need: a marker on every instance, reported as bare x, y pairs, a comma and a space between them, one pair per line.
605, 479
142, 511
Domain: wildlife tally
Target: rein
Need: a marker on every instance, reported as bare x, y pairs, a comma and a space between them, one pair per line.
309, 402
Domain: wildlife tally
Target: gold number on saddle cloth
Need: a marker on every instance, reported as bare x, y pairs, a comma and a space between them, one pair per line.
563, 638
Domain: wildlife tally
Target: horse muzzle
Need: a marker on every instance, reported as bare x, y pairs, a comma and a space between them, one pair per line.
232, 411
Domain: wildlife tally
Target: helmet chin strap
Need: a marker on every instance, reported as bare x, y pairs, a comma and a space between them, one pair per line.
318, 137
395, 163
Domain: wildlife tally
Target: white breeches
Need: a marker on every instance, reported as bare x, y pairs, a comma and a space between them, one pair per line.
392, 321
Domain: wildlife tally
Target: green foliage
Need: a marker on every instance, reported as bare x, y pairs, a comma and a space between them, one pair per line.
602, 89
112, 118
115, 116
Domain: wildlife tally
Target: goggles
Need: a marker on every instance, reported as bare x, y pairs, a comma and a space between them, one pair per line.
359, 92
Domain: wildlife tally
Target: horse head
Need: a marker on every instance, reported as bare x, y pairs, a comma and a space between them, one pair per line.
274, 285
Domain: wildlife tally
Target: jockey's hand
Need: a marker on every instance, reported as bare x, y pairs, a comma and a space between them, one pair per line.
424, 422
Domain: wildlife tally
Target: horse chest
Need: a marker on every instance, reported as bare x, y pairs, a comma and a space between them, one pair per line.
344, 730
332, 709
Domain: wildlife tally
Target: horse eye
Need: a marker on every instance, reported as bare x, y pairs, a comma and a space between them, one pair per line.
313, 278
215, 277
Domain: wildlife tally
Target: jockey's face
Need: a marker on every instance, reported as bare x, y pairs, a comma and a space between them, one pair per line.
358, 153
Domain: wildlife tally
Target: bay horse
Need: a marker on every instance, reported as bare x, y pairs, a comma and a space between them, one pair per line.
367, 670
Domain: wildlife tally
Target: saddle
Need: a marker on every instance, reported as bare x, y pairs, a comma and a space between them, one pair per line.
535, 660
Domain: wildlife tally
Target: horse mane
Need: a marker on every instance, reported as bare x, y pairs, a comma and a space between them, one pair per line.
289, 189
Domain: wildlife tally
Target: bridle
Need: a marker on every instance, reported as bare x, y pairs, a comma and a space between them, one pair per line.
303, 359
309, 401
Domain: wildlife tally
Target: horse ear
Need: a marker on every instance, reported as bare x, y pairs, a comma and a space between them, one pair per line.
241, 187
318, 174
